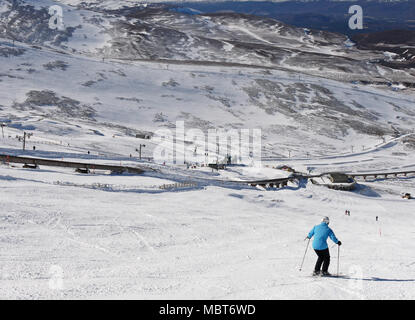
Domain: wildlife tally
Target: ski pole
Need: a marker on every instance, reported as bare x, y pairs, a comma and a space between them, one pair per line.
305, 254
338, 260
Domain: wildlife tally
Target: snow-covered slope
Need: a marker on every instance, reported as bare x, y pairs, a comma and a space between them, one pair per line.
57, 93
66, 236
154, 32
87, 91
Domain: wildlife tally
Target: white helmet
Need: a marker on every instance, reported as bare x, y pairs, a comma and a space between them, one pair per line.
325, 220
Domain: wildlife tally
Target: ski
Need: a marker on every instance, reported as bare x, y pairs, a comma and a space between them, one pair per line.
343, 276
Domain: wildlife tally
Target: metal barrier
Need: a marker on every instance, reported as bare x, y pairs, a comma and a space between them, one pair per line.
71, 164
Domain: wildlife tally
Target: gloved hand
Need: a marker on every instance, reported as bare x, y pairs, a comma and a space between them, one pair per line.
339, 243
306, 238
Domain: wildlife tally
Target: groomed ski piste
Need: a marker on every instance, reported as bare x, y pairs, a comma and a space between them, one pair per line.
68, 235
174, 232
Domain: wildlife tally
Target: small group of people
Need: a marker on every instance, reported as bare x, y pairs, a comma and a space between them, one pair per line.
321, 233
347, 212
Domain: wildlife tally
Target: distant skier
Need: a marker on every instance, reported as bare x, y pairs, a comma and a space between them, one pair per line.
321, 232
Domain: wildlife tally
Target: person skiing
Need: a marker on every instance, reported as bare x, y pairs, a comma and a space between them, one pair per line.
321, 232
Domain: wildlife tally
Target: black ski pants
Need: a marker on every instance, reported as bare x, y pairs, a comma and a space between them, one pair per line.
323, 259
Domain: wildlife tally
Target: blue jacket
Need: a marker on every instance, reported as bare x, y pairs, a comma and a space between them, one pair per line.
321, 232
